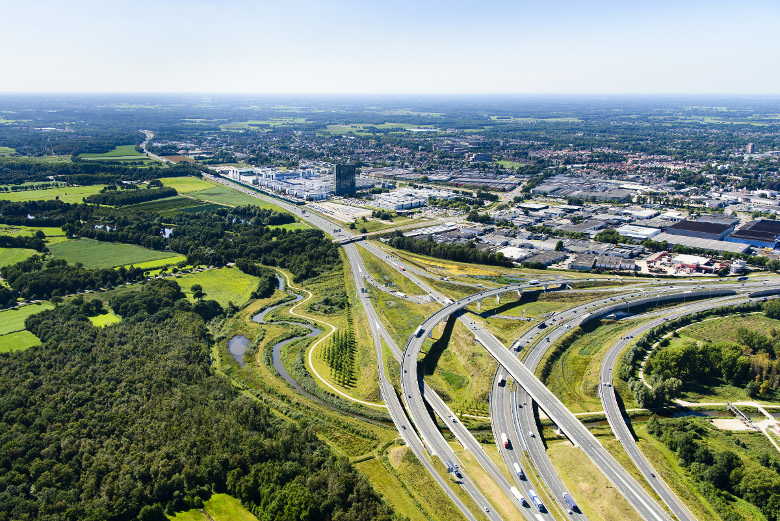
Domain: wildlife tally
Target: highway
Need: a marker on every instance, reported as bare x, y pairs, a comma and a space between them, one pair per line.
507, 413
395, 409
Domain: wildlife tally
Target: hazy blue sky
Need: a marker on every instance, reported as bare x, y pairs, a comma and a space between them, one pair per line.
390, 46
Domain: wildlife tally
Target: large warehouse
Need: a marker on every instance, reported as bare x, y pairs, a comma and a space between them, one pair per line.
762, 234
700, 229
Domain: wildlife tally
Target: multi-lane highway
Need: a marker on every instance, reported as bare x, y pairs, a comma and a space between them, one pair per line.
511, 414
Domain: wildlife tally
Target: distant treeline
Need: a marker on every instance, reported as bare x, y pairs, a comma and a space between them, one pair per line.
19, 171
454, 252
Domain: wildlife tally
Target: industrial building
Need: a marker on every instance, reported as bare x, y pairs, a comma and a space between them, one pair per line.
701, 229
704, 244
763, 233
637, 232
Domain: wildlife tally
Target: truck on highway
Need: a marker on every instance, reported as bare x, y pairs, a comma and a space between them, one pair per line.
536, 500
519, 471
533, 282
517, 495
505, 441
570, 501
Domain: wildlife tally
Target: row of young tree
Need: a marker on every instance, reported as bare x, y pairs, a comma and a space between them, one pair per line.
340, 353
130, 422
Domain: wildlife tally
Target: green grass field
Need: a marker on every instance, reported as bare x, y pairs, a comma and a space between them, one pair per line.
120, 153
104, 320
185, 185
222, 285
725, 328
161, 263
12, 320
170, 206
6, 151
10, 256
97, 254
18, 341
68, 194
227, 196
574, 377
26, 231
221, 507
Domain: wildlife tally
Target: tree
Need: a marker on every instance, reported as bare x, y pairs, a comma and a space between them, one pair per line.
559, 246
197, 291
772, 309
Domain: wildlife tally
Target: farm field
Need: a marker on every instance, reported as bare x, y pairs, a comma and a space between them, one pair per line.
26, 231
230, 197
12, 320
221, 507
68, 194
18, 341
161, 263
10, 256
120, 153
185, 185
222, 285
95, 254
6, 151
170, 206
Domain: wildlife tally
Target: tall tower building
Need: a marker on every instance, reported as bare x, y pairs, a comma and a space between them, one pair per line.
344, 179
751, 148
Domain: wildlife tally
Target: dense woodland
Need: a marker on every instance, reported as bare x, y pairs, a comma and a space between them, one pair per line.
106, 424
719, 474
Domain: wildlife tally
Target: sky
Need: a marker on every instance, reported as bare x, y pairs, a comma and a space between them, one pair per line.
391, 46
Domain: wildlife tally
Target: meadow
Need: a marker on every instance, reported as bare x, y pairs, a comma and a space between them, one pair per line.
222, 285
10, 256
105, 319
120, 153
68, 194
220, 507
229, 197
185, 185
95, 254
18, 341
12, 320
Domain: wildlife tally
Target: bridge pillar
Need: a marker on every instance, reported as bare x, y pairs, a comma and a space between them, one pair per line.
519, 293
479, 305
498, 298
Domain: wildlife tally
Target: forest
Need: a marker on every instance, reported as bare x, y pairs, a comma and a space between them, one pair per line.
129, 421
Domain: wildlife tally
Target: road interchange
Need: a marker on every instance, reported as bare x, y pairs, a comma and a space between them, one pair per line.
415, 391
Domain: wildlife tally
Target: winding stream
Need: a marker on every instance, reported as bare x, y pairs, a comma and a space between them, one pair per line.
237, 345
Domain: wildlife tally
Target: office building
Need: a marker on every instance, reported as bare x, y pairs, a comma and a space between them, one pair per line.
344, 179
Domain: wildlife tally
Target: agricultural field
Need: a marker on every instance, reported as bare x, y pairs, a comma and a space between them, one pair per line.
96, 254
222, 285
170, 206
12, 320
6, 151
10, 256
27, 231
220, 507
68, 194
120, 153
18, 341
13, 335
185, 185
229, 197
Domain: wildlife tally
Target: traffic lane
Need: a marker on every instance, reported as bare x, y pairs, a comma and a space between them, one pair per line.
578, 434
